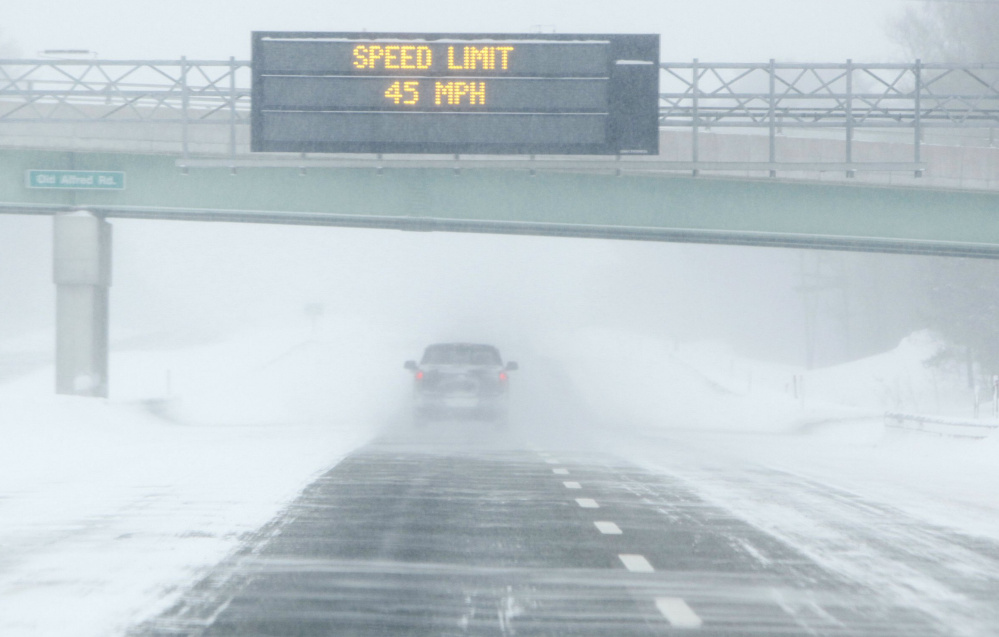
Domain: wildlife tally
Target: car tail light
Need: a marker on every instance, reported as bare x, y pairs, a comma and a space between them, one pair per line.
419, 376
502, 376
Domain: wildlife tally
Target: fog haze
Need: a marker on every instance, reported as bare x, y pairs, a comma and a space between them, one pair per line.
213, 277
712, 30
201, 279
782, 441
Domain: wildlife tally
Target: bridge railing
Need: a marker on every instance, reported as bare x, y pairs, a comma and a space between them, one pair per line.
124, 90
181, 92
829, 95
846, 96
839, 98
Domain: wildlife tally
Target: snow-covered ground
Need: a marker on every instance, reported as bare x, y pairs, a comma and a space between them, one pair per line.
641, 390
911, 516
110, 508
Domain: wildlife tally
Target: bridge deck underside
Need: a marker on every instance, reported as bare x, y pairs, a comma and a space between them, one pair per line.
659, 207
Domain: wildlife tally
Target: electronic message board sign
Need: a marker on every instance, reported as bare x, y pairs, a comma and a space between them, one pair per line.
455, 93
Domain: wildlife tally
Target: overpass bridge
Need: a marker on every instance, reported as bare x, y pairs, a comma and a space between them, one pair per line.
846, 156
791, 152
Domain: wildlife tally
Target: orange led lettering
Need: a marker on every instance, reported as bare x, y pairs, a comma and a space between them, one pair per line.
413, 57
486, 55
421, 57
441, 90
394, 92
477, 90
391, 57
406, 57
479, 58
404, 92
360, 56
450, 60
504, 56
411, 89
424, 57
452, 92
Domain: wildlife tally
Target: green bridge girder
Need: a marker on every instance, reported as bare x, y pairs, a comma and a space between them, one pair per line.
658, 207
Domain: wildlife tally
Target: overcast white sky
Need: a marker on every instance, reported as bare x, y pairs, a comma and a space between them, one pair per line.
712, 30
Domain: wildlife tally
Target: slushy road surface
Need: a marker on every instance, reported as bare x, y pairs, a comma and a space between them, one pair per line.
404, 538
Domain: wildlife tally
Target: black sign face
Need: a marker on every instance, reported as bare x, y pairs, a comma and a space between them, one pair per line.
455, 93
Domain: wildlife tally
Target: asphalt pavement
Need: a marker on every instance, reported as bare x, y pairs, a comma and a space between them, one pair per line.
410, 536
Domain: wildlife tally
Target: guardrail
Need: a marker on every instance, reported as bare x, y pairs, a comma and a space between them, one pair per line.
951, 428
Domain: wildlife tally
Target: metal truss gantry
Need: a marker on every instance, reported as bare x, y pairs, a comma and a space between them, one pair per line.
694, 96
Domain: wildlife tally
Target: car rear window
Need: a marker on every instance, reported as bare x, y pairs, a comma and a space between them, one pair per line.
460, 354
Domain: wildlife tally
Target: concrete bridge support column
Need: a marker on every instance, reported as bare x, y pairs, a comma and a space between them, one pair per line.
82, 272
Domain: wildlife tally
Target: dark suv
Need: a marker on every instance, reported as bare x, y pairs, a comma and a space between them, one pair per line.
455, 380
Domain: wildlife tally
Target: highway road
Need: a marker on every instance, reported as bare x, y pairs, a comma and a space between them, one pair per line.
412, 538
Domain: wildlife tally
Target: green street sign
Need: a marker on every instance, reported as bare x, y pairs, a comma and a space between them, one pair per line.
75, 179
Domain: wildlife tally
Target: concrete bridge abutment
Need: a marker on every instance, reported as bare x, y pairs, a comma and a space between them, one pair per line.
82, 274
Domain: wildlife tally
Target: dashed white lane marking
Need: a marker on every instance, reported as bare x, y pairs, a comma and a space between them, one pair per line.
636, 563
587, 503
561, 471
608, 528
677, 613
552, 461
572, 485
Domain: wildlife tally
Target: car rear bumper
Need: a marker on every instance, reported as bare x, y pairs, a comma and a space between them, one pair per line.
460, 405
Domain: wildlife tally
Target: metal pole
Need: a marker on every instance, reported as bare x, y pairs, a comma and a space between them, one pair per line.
917, 122
849, 118
232, 106
185, 100
695, 150
995, 396
772, 115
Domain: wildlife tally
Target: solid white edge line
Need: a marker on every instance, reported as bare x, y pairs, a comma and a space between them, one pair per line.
677, 613
572, 485
560, 471
587, 503
636, 563
608, 528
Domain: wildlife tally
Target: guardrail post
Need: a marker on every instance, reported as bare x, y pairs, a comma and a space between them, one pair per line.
695, 150
995, 396
849, 118
232, 106
185, 99
772, 116
82, 274
918, 116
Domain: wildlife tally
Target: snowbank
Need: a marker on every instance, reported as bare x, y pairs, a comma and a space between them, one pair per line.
650, 398
107, 511
655, 382
646, 382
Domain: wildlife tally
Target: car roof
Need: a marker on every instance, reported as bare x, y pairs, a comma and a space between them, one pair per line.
461, 345
460, 350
